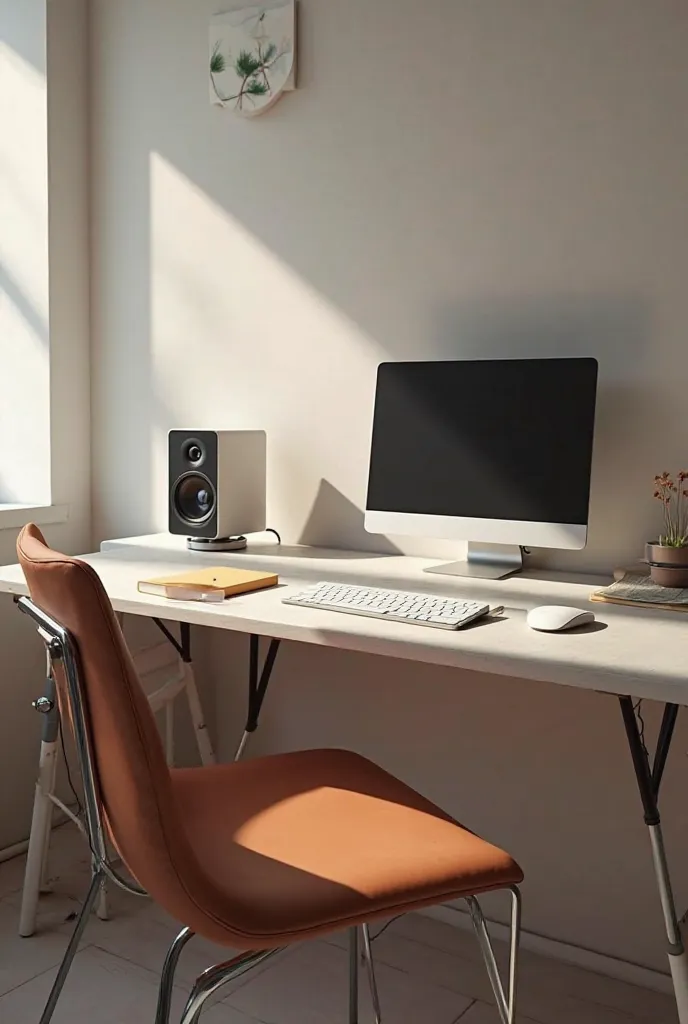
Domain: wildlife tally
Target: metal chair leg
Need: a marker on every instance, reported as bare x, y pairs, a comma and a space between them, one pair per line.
73, 946
215, 977
370, 967
515, 939
506, 1004
353, 975
162, 1014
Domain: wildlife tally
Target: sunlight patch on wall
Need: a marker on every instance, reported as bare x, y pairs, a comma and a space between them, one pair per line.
24, 282
240, 340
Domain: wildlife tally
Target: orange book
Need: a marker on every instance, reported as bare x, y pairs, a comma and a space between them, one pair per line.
212, 584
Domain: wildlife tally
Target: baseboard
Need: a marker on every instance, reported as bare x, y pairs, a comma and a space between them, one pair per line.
600, 963
10, 852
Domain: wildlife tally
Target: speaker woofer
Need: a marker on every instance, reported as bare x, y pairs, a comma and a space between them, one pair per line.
194, 498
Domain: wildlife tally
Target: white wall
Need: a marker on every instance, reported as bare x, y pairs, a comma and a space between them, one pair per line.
50, 311
450, 179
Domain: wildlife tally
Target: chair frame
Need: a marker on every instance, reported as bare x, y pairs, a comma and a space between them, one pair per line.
179, 682
61, 648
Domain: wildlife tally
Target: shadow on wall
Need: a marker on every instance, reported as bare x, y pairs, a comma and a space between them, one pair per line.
17, 296
335, 522
20, 29
352, 254
616, 329
7, 496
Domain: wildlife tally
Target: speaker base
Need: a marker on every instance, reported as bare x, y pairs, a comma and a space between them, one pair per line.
218, 544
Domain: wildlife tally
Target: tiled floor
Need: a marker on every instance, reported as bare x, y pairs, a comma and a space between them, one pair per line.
428, 973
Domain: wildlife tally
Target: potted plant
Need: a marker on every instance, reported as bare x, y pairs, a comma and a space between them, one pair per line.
668, 556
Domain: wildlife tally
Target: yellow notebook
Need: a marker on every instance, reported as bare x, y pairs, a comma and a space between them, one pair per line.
212, 584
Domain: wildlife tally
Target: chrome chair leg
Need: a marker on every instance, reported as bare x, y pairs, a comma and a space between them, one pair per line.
215, 977
353, 975
506, 1003
370, 967
162, 1014
515, 939
58, 984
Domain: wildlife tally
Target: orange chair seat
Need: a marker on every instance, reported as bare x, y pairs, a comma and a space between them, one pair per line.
303, 843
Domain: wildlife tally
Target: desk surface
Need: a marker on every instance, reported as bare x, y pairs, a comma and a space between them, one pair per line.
632, 651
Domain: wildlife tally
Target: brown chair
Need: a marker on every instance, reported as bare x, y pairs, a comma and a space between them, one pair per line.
252, 855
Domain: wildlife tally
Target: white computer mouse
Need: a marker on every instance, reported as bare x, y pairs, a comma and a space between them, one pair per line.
553, 618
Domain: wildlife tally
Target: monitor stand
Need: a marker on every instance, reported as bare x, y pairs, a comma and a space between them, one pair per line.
485, 562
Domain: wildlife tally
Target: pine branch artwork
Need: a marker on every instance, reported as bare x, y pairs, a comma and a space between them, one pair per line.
248, 69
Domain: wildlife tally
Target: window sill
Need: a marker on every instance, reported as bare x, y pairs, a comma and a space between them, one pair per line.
13, 517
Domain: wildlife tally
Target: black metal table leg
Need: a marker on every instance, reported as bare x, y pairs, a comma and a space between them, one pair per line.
258, 682
181, 646
649, 777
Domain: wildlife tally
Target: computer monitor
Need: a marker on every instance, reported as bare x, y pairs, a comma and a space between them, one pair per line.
497, 451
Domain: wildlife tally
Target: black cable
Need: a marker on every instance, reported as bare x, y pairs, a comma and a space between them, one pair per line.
384, 928
79, 808
269, 529
637, 707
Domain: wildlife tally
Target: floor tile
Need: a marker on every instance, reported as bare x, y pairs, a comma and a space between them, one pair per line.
141, 932
428, 971
138, 930
11, 876
429, 931
481, 1013
102, 988
548, 989
69, 863
586, 1013
23, 959
311, 987
451, 970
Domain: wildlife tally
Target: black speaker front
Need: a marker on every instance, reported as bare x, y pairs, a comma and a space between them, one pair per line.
193, 483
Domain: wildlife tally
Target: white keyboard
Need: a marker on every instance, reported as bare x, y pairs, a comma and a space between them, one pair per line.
394, 605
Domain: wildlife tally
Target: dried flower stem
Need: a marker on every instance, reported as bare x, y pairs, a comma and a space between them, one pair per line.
672, 494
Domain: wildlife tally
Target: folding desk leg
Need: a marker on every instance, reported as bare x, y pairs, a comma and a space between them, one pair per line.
42, 810
183, 649
200, 728
258, 682
649, 779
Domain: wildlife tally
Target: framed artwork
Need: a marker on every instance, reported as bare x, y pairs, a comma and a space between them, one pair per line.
253, 56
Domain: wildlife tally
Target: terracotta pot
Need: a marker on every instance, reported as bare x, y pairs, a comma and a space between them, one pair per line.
668, 566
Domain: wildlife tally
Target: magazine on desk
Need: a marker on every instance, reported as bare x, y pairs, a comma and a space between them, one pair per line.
634, 587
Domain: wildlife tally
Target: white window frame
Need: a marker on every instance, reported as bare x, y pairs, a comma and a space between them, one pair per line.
44, 256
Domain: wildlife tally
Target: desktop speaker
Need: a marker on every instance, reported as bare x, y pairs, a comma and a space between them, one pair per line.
216, 487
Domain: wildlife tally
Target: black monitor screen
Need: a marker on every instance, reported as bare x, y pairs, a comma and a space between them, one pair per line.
485, 439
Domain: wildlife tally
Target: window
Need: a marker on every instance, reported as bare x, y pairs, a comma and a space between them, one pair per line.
24, 296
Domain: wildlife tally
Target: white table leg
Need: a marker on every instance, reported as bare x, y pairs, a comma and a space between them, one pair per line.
205, 748
46, 885
39, 838
679, 976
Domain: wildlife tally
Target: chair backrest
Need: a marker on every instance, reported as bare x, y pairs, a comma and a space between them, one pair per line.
134, 780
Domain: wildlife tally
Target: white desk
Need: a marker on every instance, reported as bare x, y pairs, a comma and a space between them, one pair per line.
632, 653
